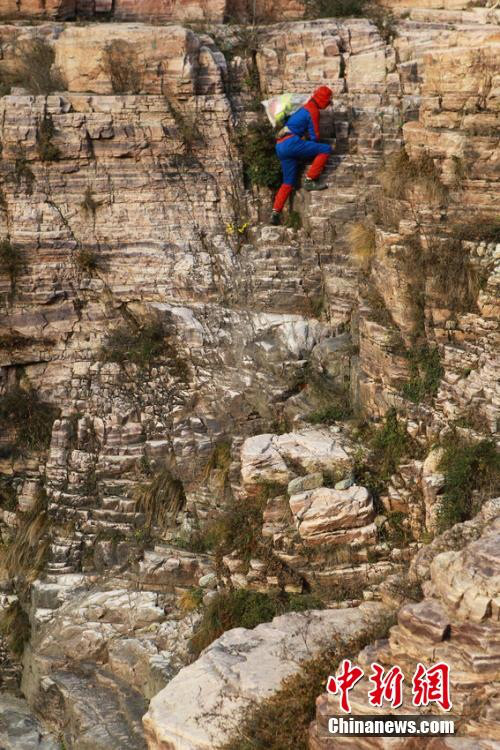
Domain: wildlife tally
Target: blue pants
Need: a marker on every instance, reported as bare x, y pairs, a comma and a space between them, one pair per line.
292, 151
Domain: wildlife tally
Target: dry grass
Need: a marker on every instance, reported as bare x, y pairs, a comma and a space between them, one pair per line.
361, 236
402, 178
25, 556
32, 68
15, 628
161, 499
121, 63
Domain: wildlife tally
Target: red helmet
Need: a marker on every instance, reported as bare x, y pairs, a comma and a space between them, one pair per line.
322, 97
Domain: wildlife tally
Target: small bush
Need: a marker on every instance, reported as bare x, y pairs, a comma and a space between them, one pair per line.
15, 628
187, 129
483, 228
245, 609
46, 149
426, 372
87, 261
142, 346
362, 241
11, 260
329, 414
217, 466
122, 65
238, 527
335, 8
468, 469
257, 147
31, 418
33, 68
161, 499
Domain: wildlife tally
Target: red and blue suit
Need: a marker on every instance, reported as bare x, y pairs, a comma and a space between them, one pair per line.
292, 149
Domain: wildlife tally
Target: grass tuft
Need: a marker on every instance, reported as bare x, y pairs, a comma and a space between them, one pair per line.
362, 241
471, 474
426, 372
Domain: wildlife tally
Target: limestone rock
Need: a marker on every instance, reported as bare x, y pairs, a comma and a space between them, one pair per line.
19, 729
239, 667
321, 513
271, 458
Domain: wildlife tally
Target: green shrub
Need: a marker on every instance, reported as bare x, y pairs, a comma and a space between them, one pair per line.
46, 149
426, 372
11, 260
282, 721
245, 609
33, 68
329, 414
30, 418
257, 148
335, 8
122, 65
468, 469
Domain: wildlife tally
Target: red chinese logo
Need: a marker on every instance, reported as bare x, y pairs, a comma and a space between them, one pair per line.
430, 685
347, 677
388, 687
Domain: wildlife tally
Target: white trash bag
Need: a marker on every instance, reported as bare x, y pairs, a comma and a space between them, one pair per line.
280, 107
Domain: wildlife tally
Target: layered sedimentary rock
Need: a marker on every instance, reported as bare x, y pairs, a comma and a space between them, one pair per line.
456, 623
145, 217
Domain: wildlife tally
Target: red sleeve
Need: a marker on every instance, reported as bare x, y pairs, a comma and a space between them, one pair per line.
313, 110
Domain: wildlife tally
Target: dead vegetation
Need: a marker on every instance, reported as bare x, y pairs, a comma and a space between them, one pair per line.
30, 419
361, 238
121, 63
32, 68
160, 499
405, 179
25, 555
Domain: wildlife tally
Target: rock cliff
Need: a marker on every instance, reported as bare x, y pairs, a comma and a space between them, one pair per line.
195, 402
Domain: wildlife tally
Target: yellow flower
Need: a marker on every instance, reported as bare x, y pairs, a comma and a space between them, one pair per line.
229, 228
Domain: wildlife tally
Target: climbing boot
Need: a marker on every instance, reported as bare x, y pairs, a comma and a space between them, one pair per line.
275, 218
314, 184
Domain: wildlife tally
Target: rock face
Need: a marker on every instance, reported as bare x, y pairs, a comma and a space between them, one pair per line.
187, 347
19, 728
326, 516
457, 622
202, 704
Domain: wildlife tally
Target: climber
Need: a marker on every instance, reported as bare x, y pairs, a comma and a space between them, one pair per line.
292, 149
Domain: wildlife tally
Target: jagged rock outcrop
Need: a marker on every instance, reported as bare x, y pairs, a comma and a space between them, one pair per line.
457, 622
201, 706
